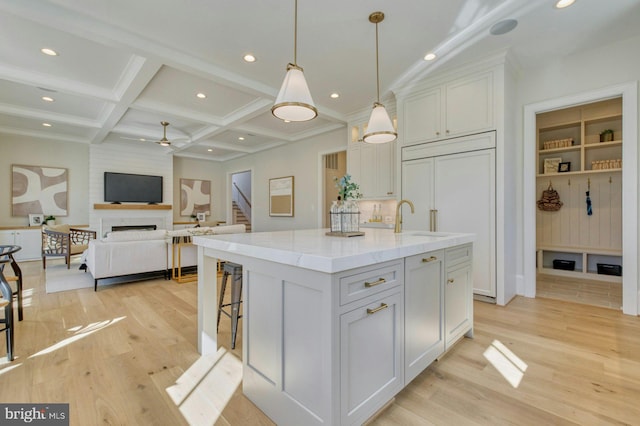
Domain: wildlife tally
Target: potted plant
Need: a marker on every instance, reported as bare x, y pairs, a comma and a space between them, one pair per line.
50, 220
606, 135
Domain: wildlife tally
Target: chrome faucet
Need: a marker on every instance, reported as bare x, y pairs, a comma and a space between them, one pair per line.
398, 227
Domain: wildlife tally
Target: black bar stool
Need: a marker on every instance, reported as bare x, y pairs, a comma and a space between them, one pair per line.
7, 295
235, 271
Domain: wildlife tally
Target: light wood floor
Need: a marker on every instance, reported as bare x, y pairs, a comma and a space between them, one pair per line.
112, 355
589, 292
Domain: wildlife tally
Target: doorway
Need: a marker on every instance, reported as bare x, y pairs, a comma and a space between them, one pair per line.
629, 183
334, 165
241, 212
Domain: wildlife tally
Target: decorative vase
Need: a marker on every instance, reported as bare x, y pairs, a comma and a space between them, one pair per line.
51, 222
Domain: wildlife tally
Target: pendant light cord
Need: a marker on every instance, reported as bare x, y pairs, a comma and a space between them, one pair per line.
377, 68
295, 35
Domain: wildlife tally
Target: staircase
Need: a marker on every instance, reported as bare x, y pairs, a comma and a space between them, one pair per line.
239, 217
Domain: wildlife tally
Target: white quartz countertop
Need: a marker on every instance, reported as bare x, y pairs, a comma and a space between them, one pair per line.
312, 249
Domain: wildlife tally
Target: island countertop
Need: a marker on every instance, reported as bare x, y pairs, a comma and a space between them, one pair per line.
312, 249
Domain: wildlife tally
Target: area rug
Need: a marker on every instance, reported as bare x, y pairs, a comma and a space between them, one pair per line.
59, 278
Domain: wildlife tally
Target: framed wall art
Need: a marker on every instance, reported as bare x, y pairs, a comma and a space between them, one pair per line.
39, 190
551, 165
195, 197
36, 219
281, 196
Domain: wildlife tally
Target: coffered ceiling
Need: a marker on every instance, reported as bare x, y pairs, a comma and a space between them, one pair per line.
123, 66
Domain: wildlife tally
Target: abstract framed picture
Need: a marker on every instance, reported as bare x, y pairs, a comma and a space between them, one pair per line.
281, 196
195, 197
39, 189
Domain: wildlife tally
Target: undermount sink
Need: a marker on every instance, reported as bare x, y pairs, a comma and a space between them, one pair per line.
427, 234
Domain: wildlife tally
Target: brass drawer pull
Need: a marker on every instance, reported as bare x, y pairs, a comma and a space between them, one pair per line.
429, 259
375, 283
450, 281
379, 308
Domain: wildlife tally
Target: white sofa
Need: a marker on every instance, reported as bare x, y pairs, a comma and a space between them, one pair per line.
136, 252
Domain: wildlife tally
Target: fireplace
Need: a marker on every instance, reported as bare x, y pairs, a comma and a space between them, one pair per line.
134, 228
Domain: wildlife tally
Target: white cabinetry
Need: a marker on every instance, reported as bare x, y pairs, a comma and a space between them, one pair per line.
29, 239
370, 356
458, 107
423, 326
458, 285
452, 185
372, 166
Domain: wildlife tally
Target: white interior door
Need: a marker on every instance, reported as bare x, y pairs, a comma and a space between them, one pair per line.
464, 198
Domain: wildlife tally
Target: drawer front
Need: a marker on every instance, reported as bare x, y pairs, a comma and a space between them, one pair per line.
457, 255
372, 280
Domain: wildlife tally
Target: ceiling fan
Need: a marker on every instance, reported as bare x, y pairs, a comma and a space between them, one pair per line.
164, 141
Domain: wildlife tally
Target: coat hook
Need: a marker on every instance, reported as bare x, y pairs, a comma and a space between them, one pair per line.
609, 179
589, 184
569, 182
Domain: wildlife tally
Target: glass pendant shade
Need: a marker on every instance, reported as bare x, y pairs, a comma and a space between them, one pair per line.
380, 129
294, 102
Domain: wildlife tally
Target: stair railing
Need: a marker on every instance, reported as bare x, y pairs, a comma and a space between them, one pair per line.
242, 201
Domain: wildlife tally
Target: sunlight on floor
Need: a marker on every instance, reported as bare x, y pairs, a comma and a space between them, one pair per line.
80, 332
204, 390
506, 362
9, 368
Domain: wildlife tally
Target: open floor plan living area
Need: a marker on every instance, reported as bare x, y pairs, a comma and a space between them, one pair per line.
319, 213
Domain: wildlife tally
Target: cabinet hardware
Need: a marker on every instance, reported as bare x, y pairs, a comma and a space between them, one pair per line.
437, 133
447, 132
379, 308
450, 281
429, 259
389, 193
375, 283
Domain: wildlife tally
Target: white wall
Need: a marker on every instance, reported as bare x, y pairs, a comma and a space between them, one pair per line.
15, 149
128, 159
586, 71
300, 160
189, 168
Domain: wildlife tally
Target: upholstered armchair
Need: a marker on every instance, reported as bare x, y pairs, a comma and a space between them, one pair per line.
64, 241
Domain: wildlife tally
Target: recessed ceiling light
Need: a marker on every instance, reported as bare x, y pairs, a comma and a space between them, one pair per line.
210, 150
47, 98
143, 140
503, 27
429, 56
46, 124
287, 121
249, 58
564, 3
241, 138
201, 95
335, 95
49, 52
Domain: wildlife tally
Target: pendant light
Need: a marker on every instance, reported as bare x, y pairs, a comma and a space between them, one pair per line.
380, 129
294, 101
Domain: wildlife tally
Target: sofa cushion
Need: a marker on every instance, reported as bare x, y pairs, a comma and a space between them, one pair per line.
158, 234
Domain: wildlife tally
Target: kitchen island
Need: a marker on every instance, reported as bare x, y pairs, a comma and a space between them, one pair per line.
334, 327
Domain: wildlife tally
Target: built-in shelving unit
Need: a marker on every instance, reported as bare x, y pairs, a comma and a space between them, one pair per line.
573, 135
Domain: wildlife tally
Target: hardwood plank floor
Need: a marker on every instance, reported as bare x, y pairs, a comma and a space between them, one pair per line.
112, 355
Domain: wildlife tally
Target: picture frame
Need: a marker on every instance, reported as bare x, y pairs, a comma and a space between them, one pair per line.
281, 196
201, 216
551, 165
195, 196
36, 219
564, 167
39, 189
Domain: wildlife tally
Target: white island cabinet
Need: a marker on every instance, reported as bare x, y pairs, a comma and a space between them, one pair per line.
334, 327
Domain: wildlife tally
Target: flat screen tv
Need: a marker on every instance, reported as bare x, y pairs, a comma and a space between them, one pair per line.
130, 188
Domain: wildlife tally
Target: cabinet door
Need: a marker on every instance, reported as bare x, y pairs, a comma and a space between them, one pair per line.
417, 186
353, 162
469, 105
368, 170
423, 327
386, 173
422, 117
31, 242
458, 303
370, 356
465, 202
